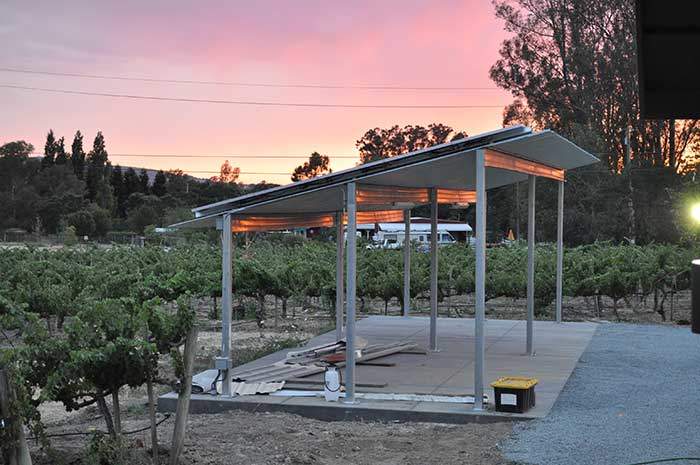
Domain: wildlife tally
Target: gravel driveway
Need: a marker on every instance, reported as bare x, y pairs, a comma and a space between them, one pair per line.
634, 396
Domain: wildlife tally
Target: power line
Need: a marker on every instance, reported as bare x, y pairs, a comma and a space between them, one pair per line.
233, 157
218, 172
244, 102
240, 84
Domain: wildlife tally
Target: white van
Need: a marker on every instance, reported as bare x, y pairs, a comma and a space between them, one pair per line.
395, 240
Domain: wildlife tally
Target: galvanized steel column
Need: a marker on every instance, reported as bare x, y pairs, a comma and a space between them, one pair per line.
433, 268
529, 349
339, 276
407, 263
480, 280
226, 302
351, 290
560, 250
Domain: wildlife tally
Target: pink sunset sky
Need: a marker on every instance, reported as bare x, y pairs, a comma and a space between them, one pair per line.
396, 43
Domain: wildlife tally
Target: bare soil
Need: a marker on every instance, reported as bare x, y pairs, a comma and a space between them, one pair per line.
277, 438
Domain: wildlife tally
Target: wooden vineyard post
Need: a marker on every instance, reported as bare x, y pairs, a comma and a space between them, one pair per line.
183, 398
13, 444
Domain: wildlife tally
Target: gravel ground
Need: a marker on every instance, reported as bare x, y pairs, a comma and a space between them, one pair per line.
634, 396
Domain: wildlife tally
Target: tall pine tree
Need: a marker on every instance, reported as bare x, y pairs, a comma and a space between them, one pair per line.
116, 180
143, 181
77, 156
97, 188
49, 150
61, 155
159, 184
131, 182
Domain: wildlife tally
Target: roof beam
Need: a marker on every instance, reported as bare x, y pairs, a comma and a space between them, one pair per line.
504, 161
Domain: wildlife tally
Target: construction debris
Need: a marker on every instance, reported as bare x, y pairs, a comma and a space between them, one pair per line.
248, 389
312, 354
314, 360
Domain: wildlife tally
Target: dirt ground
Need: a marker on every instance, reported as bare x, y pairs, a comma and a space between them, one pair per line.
277, 438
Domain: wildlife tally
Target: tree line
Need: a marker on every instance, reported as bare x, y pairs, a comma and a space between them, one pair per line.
83, 192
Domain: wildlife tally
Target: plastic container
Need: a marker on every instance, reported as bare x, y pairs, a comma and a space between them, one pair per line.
514, 394
331, 387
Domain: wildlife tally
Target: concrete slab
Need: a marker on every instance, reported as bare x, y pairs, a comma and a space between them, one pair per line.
447, 372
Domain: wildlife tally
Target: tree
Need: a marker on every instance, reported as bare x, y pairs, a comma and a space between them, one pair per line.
49, 150
227, 174
14, 157
98, 188
17, 196
60, 192
61, 155
143, 181
377, 144
571, 66
116, 180
142, 216
317, 165
82, 222
77, 156
159, 184
101, 218
131, 182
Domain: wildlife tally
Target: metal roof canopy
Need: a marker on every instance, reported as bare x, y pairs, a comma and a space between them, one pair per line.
447, 166
458, 171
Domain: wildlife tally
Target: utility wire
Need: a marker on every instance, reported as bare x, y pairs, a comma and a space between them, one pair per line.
218, 172
239, 84
244, 102
256, 157
87, 433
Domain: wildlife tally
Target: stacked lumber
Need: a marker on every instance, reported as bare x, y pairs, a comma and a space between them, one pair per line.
308, 362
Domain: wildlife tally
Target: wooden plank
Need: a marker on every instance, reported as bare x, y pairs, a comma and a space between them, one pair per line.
313, 382
376, 364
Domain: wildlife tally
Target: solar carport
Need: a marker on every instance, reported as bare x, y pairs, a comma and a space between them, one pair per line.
457, 172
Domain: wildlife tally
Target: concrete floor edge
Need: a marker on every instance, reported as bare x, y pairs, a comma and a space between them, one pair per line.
210, 405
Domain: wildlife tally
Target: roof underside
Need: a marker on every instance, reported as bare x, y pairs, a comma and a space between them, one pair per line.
445, 166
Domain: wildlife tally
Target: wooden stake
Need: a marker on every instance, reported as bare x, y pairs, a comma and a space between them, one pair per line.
152, 418
183, 398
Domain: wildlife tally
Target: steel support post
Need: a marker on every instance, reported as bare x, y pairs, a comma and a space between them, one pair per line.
351, 294
226, 304
339, 276
407, 263
433, 268
560, 250
480, 280
529, 349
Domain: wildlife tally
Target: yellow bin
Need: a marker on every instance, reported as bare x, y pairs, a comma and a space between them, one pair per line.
514, 394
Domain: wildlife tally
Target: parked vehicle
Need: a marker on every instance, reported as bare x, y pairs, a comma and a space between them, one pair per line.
395, 240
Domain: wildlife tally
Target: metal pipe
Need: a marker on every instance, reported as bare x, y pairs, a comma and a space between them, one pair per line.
529, 349
226, 302
351, 291
480, 280
433, 268
339, 276
560, 250
407, 263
